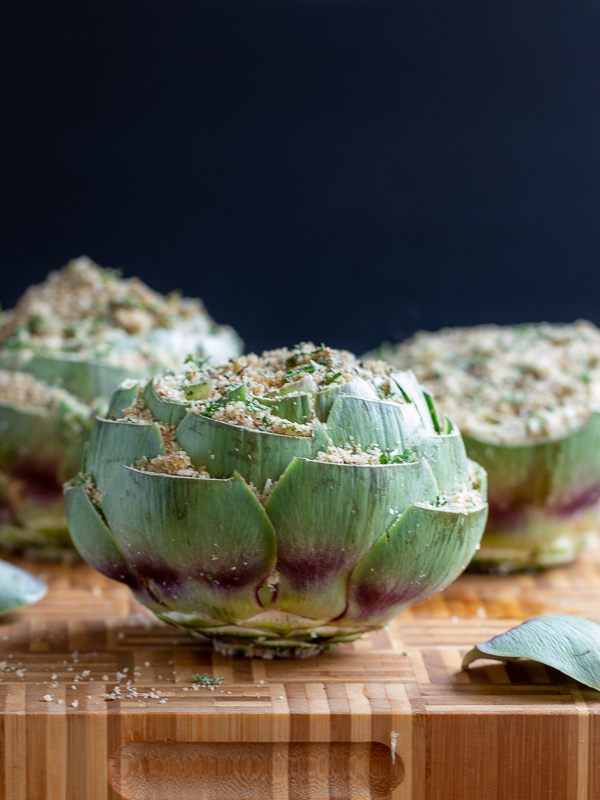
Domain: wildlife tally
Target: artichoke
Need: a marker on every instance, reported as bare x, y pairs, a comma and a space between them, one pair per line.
527, 401
277, 504
64, 348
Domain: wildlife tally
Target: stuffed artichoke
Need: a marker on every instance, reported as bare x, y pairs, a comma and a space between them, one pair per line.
64, 348
527, 401
277, 504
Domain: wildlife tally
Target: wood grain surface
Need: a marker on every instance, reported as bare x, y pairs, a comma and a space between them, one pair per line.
97, 703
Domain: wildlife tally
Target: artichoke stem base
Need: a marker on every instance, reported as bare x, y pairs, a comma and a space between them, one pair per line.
544, 543
255, 650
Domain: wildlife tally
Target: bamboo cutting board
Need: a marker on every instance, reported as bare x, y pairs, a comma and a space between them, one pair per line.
97, 703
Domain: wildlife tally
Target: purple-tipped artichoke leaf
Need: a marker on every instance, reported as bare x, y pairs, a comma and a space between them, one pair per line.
204, 543
93, 539
327, 517
420, 554
566, 643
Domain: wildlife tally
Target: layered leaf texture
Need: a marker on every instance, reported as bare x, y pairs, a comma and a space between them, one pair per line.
526, 399
543, 498
275, 544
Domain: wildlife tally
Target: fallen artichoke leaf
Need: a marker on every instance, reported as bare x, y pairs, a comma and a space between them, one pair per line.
18, 588
569, 644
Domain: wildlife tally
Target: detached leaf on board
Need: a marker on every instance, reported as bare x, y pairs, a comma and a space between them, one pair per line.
18, 588
569, 644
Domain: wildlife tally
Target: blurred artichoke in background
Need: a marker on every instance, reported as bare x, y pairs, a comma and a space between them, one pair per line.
278, 504
63, 350
527, 401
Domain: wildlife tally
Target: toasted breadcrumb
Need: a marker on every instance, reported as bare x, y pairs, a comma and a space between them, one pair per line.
243, 390
351, 455
86, 312
509, 384
22, 391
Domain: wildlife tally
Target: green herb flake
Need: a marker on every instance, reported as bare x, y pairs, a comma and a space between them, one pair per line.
206, 680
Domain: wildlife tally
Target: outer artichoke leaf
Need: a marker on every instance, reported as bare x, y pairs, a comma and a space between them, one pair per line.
112, 443
447, 457
295, 407
563, 474
356, 421
121, 398
170, 412
569, 644
25, 433
257, 455
421, 553
327, 397
327, 517
18, 588
93, 539
84, 379
215, 541
413, 391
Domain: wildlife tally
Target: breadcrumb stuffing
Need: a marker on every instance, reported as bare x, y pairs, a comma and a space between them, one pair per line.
247, 389
175, 460
22, 390
351, 455
260, 419
92, 491
509, 384
88, 312
464, 499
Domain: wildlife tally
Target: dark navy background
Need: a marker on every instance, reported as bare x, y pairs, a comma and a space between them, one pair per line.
342, 171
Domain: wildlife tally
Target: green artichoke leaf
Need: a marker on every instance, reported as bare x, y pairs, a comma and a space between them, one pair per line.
356, 421
327, 517
224, 448
112, 443
305, 384
568, 644
93, 538
121, 398
18, 588
295, 407
87, 380
170, 412
53, 438
420, 554
413, 392
562, 472
201, 543
447, 457
26, 433
327, 397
